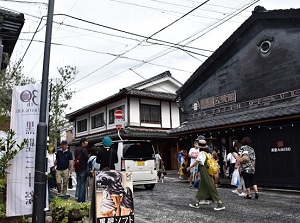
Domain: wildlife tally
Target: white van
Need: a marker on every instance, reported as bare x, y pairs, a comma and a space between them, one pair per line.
138, 157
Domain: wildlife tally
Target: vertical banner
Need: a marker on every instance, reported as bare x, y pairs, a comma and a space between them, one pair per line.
114, 197
20, 179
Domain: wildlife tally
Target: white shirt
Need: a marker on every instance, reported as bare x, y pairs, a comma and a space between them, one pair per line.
201, 158
51, 159
157, 157
231, 158
193, 153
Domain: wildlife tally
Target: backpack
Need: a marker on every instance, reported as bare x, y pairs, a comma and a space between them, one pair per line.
90, 170
212, 165
77, 163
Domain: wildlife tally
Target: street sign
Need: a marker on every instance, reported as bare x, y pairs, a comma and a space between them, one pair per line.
118, 114
119, 122
118, 127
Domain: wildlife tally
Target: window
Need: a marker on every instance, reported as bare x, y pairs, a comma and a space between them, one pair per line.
150, 114
97, 120
112, 114
82, 125
138, 150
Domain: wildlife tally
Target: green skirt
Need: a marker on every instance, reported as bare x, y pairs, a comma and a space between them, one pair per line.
207, 189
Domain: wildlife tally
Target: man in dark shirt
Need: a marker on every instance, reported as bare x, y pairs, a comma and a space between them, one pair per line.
63, 163
81, 176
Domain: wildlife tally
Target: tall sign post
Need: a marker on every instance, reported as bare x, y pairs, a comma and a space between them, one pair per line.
39, 194
119, 122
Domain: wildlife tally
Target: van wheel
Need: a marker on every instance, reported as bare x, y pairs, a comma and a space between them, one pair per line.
149, 186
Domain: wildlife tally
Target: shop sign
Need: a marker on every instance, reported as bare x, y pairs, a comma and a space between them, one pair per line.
280, 148
258, 102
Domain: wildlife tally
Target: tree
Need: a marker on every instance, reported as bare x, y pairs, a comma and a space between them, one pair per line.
9, 149
60, 94
8, 78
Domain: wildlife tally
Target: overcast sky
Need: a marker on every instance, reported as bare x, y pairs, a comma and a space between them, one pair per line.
116, 43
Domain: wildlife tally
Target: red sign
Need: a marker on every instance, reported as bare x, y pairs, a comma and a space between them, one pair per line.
118, 127
118, 114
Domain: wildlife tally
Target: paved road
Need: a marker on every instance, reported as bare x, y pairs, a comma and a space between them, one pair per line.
169, 202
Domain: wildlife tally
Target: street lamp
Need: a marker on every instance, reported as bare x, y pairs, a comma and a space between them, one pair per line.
39, 195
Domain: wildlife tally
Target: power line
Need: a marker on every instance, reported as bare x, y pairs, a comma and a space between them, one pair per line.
121, 55
25, 2
172, 23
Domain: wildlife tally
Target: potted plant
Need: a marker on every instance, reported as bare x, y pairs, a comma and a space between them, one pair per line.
64, 210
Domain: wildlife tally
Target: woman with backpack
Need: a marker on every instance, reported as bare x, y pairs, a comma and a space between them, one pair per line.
207, 190
92, 167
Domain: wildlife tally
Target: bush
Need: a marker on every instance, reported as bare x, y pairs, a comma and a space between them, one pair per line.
63, 209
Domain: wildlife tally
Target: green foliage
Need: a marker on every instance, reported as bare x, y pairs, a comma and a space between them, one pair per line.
60, 95
61, 208
2, 210
12, 148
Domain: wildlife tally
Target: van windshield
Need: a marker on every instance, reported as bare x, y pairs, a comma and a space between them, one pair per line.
138, 150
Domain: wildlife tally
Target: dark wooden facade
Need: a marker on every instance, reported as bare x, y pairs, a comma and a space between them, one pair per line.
251, 87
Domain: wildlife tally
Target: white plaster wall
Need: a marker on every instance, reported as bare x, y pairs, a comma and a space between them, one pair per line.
150, 102
175, 116
165, 115
166, 87
134, 112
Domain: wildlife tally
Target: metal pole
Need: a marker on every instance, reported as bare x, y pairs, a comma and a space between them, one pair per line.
39, 195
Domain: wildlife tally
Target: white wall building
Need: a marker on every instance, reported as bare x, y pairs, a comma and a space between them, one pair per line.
149, 112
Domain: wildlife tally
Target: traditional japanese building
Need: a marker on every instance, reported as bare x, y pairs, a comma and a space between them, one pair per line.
149, 113
250, 86
11, 24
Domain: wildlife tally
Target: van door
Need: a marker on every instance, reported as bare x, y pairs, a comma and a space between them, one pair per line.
139, 158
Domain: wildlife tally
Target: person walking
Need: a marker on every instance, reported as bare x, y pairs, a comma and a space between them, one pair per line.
180, 158
158, 161
248, 169
51, 157
207, 190
216, 177
193, 153
107, 156
63, 163
81, 154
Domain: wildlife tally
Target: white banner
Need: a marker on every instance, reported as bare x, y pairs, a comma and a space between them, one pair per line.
24, 119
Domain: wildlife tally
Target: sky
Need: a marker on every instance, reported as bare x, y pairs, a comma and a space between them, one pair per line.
117, 43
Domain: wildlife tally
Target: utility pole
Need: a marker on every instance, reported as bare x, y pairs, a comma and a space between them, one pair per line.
39, 195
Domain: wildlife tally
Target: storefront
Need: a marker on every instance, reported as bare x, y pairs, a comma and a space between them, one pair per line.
251, 87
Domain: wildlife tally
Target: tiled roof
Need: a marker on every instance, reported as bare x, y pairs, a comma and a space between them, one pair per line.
130, 90
150, 80
268, 113
10, 26
152, 94
122, 94
128, 133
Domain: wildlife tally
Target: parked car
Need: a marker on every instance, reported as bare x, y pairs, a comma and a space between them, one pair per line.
138, 157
